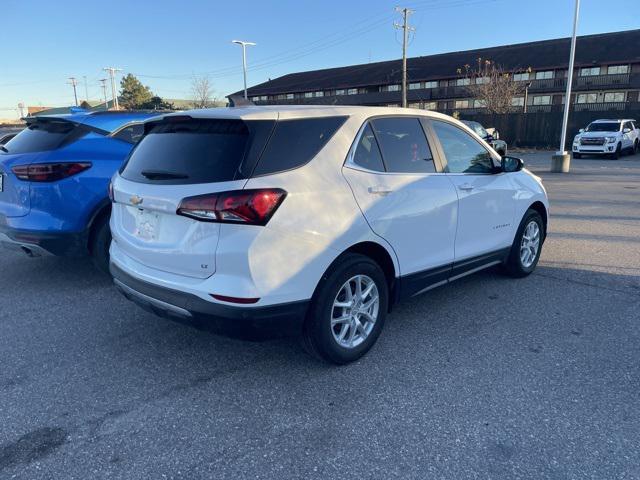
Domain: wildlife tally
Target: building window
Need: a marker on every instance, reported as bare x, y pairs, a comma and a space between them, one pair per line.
547, 74
430, 105
589, 72
393, 88
587, 98
482, 80
521, 77
289, 96
542, 100
393, 104
318, 94
614, 96
308, 94
461, 104
432, 84
617, 69
352, 91
415, 86
341, 91
461, 82
517, 101
414, 105
480, 103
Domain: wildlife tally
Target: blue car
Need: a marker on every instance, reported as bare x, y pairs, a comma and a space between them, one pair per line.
54, 177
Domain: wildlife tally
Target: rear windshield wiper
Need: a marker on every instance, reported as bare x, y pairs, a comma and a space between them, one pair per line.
160, 175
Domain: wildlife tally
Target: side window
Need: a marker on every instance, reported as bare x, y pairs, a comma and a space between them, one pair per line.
293, 143
404, 145
130, 134
463, 153
367, 154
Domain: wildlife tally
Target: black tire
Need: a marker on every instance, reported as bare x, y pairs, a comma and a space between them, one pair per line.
317, 336
577, 155
513, 265
616, 155
635, 147
100, 241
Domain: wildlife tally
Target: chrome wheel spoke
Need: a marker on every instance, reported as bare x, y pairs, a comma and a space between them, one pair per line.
340, 320
529, 244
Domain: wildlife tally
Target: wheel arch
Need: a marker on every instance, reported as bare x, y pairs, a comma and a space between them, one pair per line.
539, 207
384, 258
103, 210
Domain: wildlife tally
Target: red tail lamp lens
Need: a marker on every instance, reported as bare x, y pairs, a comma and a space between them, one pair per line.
49, 172
252, 207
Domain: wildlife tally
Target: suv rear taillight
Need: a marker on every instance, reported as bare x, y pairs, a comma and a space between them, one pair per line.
49, 172
252, 207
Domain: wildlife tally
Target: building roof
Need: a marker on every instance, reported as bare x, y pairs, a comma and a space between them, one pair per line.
600, 49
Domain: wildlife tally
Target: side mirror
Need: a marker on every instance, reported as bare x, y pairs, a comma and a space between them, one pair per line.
581, 130
496, 134
626, 130
511, 164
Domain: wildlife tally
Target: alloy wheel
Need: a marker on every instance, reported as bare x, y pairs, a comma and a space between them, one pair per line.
355, 311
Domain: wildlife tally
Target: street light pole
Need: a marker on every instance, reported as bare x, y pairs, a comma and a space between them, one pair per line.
561, 161
526, 96
244, 61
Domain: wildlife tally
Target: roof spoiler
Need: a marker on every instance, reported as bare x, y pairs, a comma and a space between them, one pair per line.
240, 101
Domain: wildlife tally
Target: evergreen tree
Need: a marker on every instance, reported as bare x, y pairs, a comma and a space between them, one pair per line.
133, 94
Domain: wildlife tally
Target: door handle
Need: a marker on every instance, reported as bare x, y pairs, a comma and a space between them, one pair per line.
466, 187
379, 190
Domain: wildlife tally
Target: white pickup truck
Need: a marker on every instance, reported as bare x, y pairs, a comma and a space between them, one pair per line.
607, 137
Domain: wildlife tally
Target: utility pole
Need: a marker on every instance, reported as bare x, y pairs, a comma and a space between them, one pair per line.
112, 74
74, 83
561, 161
244, 60
86, 89
405, 36
104, 92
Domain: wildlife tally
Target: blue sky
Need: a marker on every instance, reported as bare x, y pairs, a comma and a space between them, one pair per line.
165, 42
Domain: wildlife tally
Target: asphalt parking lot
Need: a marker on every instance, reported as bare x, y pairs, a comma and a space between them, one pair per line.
488, 378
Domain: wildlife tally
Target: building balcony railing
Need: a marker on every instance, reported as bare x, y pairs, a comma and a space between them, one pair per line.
603, 106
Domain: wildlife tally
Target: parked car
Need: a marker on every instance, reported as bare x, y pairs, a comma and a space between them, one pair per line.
607, 137
53, 182
491, 137
6, 135
322, 215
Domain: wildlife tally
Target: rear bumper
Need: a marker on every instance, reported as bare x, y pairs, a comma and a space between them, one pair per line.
248, 322
38, 243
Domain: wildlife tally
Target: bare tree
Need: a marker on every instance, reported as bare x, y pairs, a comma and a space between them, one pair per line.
201, 91
494, 87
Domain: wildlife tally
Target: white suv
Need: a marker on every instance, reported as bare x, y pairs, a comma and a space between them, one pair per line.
607, 137
322, 215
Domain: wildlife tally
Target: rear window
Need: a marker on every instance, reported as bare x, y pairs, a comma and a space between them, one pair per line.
185, 151
40, 136
189, 151
295, 142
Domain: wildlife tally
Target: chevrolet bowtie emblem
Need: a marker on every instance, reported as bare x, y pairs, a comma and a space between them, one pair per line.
136, 200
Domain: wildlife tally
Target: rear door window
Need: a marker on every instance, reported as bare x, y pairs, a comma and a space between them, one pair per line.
295, 142
44, 135
404, 145
189, 151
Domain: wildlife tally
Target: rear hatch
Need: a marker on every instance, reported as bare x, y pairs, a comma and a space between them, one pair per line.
31, 145
180, 157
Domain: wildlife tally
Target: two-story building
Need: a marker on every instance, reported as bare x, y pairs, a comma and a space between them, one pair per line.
606, 77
